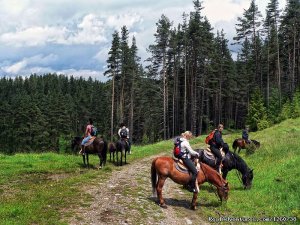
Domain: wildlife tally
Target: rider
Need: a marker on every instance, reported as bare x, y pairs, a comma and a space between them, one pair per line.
245, 134
186, 158
87, 135
215, 144
123, 133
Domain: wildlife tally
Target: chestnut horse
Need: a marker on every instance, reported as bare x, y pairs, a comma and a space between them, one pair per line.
241, 144
164, 167
99, 147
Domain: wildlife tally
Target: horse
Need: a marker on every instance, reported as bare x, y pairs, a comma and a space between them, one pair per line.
230, 161
99, 147
122, 146
241, 144
164, 167
112, 150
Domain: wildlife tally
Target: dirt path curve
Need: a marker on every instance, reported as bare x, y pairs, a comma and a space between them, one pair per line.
126, 198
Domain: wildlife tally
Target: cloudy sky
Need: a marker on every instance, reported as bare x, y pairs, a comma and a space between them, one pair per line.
73, 36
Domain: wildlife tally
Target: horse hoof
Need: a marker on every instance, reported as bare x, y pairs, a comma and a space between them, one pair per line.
100, 167
164, 206
193, 207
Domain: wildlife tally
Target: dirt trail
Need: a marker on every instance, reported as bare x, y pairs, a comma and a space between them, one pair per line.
126, 198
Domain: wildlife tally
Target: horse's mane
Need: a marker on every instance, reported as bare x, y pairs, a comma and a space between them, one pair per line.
239, 162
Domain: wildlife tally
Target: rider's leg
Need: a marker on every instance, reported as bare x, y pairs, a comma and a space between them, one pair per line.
190, 165
218, 156
84, 141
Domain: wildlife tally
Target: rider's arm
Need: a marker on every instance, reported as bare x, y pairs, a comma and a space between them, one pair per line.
186, 145
218, 139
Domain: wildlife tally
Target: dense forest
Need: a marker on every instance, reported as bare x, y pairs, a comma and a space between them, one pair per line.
189, 82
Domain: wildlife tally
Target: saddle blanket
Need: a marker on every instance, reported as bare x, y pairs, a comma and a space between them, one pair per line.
208, 154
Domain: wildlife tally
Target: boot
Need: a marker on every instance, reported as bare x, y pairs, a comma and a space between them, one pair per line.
82, 150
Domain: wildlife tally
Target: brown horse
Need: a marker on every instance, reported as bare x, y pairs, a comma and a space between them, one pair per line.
241, 144
164, 167
112, 150
99, 147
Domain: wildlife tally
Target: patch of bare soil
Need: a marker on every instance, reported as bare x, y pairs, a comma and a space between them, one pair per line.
126, 198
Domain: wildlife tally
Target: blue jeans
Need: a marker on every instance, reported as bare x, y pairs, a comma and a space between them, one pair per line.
85, 140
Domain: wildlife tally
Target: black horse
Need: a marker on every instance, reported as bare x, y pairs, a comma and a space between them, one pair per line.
99, 147
241, 144
123, 147
231, 161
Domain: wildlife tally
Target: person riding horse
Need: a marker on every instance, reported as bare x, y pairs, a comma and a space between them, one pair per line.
245, 135
216, 143
187, 151
123, 133
87, 135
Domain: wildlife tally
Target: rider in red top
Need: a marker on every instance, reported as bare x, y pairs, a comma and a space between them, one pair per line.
87, 135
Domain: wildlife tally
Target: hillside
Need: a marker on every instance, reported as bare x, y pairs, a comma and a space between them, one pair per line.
50, 188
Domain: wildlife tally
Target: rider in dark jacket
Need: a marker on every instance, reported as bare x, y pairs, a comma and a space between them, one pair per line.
215, 144
245, 135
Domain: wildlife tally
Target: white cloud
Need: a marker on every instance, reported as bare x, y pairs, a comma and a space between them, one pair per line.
96, 75
36, 64
90, 30
127, 19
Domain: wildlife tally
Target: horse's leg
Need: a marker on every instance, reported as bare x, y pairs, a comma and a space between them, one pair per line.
239, 150
159, 187
194, 201
110, 156
87, 160
83, 158
100, 161
121, 157
125, 156
117, 153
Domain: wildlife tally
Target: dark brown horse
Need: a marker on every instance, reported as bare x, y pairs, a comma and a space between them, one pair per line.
112, 150
164, 167
229, 162
241, 144
99, 147
122, 147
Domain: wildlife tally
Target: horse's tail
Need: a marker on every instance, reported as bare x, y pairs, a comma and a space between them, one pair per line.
235, 144
153, 178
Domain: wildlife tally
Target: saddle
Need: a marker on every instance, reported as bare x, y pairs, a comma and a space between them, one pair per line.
90, 141
208, 154
179, 165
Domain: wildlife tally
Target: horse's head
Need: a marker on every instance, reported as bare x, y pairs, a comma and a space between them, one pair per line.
75, 142
223, 191
247, 179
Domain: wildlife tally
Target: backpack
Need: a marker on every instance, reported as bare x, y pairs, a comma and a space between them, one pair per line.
123, 133
177, 148
210, 137
94, 131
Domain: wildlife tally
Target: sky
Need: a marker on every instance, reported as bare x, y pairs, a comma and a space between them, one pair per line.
73, 37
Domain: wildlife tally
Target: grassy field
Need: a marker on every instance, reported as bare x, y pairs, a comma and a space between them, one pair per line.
34, 187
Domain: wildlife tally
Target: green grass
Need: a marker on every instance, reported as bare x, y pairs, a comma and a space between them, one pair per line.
37, 188
275, 190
